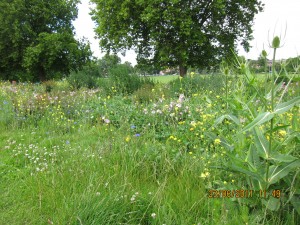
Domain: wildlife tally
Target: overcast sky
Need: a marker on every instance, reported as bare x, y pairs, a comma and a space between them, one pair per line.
280, 17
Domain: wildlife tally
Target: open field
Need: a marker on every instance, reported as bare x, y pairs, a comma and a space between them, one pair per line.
200, 150
164, 79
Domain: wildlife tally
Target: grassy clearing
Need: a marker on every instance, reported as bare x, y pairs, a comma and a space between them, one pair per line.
84, 157
164, 79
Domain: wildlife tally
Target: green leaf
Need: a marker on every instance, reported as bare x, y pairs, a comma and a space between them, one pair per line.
253, 159
285, 106
229, 117
246, 171
261, 143
260, 119
295, 200
282, 158
225, 144
241, 166
276, 89
278, 172
272, 204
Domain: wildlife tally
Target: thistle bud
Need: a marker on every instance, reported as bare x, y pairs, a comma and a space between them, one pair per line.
276, 42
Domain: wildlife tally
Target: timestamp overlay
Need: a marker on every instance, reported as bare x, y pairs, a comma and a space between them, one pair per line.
243, 193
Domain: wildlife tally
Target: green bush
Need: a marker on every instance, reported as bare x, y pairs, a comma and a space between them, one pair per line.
81, 79
125, 82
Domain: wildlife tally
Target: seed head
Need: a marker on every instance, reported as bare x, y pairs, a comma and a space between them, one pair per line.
276, 42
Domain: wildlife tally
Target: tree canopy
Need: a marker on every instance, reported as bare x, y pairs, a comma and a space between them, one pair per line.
37, 39
176, 32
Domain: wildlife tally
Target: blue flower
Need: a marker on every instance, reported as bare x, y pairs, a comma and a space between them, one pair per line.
132, 127
137, 135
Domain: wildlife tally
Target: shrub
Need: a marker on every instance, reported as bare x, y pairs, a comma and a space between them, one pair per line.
125, 82
81, 79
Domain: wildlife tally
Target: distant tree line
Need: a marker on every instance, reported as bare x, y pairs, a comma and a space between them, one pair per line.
263, 65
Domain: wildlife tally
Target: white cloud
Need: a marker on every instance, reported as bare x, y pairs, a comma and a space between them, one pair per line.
278, 16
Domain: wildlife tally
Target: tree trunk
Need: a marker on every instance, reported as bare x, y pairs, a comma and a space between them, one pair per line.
42, 74
182, 70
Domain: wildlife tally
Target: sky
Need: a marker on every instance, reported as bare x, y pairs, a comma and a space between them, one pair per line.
279, 18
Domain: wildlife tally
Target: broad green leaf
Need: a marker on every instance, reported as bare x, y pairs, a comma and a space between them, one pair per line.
261, 143
272, 204
278, 172
239, 165
296, 203
282, 158
276, 89
246, 171
253, 159
260, 119
285, 106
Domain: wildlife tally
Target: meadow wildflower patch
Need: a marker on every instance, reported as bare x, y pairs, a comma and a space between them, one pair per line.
95, 156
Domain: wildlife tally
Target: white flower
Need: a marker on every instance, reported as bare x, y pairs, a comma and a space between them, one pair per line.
153, 215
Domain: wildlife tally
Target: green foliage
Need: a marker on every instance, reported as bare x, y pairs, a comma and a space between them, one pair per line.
37, 36
268, 164
81, 79
124, 81
107, 63
175, 33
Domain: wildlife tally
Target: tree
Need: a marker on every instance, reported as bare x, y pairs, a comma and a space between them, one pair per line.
182, 33
37, 39
107, 62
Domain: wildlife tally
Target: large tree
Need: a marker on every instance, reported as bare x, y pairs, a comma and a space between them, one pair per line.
176, 32
37, 39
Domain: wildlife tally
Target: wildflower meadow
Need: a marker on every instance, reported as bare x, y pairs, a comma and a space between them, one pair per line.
204, 149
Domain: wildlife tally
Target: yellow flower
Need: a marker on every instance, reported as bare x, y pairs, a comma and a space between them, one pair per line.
282, 133
217, 141
127, 139
204, 175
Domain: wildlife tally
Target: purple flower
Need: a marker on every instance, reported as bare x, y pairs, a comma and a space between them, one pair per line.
137, 135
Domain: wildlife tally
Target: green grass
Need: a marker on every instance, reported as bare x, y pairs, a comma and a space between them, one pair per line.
82, 157
164, 79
